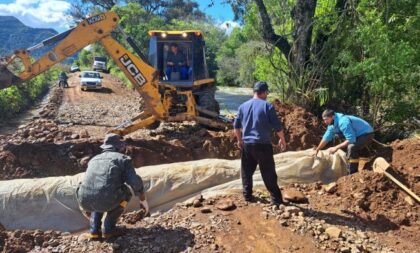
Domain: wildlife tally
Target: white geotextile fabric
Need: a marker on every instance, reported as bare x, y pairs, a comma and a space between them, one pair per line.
49, 203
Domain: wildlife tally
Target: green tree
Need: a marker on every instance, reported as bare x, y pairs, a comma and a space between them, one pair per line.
378, 68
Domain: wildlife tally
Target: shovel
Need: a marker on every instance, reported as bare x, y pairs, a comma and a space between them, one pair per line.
382, 166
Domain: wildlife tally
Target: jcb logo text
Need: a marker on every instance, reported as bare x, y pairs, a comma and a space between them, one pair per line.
133, 70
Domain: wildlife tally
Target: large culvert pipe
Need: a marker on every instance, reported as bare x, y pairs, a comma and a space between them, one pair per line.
49, 203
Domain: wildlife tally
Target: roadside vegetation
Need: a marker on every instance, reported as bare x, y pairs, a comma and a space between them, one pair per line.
359, 57
16, 99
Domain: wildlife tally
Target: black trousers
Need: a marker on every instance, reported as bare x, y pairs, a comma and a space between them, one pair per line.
353, 153
262, 155
361, 142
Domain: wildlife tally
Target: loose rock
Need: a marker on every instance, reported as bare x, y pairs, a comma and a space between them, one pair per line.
205, 210
409, 200
292, 209
294, 195
333, 232
226, 205
331, 188
196, 203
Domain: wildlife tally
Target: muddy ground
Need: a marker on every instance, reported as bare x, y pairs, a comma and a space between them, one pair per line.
360, 213
228, 224
70, 128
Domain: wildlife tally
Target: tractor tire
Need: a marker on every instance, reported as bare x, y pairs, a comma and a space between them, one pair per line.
154, 125
207, 100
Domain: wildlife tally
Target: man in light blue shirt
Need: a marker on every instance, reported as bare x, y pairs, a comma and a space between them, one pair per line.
357, 132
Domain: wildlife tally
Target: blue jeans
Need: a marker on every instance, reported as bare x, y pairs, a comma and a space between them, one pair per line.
182, 70
110, 221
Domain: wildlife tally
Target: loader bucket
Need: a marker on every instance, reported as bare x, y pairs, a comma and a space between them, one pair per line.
7, 78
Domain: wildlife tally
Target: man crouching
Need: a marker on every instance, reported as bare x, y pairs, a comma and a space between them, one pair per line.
106, 188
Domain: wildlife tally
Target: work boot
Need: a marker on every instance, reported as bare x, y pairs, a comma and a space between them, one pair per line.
250, 199
276, 204
95, 226
94, 236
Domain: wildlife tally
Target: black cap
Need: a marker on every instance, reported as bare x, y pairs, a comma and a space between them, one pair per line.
260, 86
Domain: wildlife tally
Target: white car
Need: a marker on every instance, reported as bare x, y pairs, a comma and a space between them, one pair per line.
74, 68
90, 80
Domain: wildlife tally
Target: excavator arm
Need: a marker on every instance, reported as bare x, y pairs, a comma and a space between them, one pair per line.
88, 31
162, 102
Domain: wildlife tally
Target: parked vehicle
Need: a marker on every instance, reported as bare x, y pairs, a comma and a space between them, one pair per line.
90, 80
74, 68
99, 64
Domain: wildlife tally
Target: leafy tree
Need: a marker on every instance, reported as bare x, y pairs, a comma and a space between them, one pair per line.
166, 9
377, 68
85, 58
227, 60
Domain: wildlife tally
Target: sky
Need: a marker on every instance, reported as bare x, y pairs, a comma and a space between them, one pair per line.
51, 13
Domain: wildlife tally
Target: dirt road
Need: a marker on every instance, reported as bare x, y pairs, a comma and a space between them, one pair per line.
365, 213
98, 111
230, 98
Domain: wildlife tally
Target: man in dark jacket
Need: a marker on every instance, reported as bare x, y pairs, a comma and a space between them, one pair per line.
63, 80
176, 62
253, 125
106, 187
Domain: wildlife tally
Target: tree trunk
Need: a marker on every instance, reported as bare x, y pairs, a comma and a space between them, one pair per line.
268, 32
298, 55
303, 15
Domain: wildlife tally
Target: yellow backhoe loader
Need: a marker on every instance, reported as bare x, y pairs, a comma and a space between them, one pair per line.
168, 95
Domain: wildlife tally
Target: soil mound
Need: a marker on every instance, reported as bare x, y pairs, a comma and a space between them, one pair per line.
406, 155
374, 197
303, 129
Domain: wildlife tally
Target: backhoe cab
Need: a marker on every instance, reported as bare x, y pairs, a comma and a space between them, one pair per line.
189, 48
179, 57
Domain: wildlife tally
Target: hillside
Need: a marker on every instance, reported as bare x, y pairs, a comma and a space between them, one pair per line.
14, 34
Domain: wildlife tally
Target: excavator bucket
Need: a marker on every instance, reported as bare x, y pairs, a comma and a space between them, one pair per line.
7, 78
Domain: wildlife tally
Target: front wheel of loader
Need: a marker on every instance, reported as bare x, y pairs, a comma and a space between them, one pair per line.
207, 99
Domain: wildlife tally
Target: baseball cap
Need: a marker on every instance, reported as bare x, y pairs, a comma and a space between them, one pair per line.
260, 86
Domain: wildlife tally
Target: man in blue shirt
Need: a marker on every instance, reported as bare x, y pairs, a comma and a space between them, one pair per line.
357, 132
253, 125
